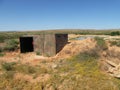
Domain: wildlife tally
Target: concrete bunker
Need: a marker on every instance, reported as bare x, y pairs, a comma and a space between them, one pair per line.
44, 44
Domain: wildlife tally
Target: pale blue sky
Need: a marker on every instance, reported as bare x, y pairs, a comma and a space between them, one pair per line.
59, 14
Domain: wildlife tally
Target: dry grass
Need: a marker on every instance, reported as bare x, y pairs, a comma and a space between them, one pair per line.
80, 72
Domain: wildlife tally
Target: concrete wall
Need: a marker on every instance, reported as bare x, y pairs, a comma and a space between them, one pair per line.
38, 43
49, 44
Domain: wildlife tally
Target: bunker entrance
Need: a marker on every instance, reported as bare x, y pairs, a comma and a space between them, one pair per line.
26, 44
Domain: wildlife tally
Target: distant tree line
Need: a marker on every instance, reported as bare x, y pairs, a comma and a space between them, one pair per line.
115, 33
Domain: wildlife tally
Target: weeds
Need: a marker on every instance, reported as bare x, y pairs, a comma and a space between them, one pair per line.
101, 44
8, 66
38, 53
115, 43
1, 49
88, 55
1, 54
11, 45
8, 74
25, 69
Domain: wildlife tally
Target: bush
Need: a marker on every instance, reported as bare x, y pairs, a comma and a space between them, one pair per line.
38, 53
1, 54
11, 45
116, 43
115, 33
88, 55
1, 38
101, 44
1, 49
8, 66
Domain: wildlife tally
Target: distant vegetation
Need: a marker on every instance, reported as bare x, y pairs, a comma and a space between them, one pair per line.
9, 45
14, 35
115, 33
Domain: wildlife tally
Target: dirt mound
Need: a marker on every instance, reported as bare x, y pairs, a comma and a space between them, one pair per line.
74, 47
110, 61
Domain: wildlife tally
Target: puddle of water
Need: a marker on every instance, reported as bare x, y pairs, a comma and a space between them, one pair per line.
84, 37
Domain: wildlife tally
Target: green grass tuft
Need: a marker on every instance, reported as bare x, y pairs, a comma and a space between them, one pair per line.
101, 44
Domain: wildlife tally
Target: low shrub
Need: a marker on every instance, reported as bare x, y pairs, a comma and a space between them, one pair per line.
38, 53
1, 49
2, 38
116, 43
1, 54
11, 45
88, 55
8, 66
101, 44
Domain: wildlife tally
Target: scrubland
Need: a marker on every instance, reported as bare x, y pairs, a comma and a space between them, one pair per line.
80, 65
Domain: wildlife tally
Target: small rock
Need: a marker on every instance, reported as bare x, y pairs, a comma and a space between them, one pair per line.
117, 75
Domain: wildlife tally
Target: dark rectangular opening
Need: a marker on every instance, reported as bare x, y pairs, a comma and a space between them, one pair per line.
61, 41
26, 44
